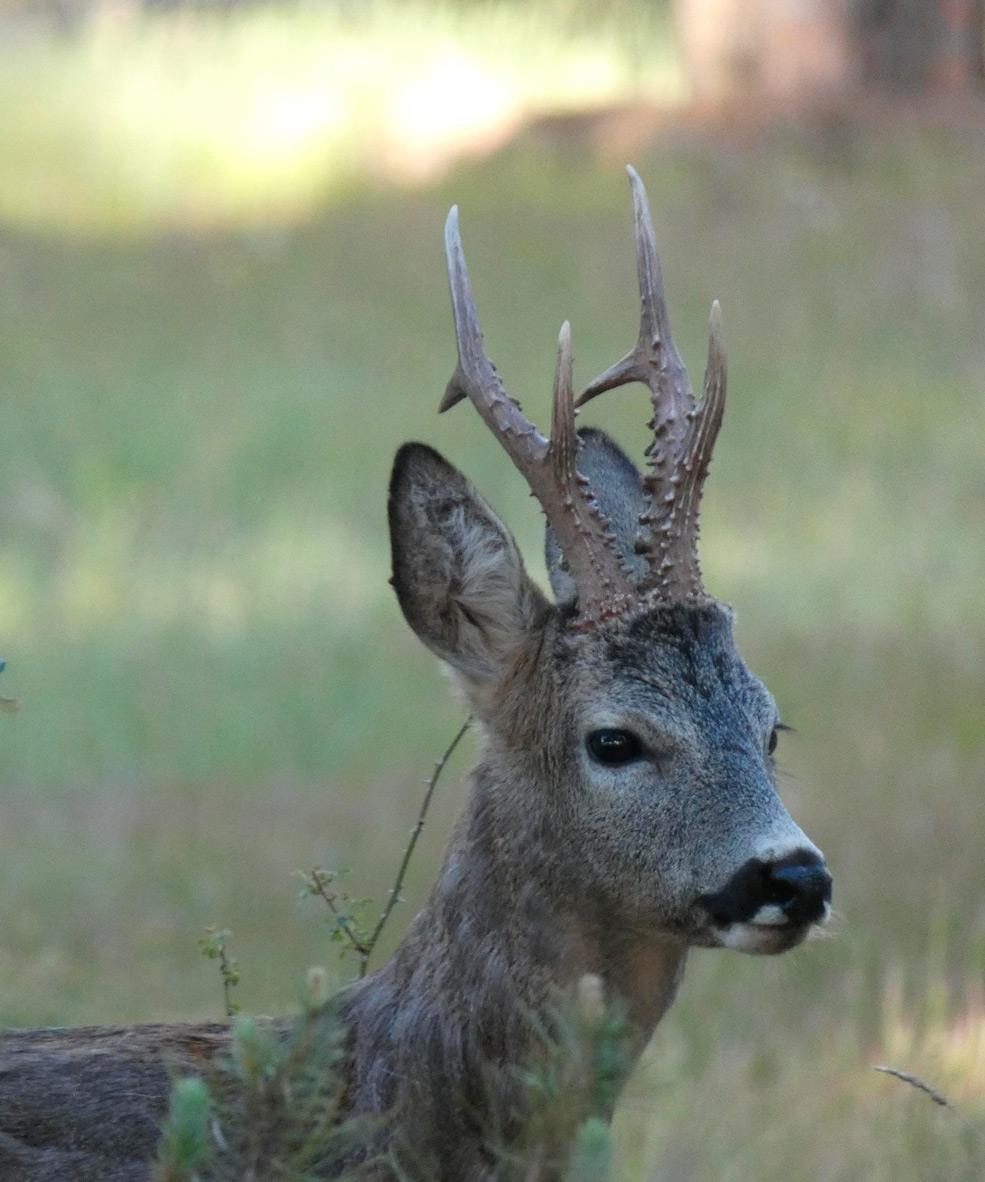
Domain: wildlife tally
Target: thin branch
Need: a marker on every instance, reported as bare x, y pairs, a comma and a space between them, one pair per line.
921, 1085
213, 945
415, 833
317, 884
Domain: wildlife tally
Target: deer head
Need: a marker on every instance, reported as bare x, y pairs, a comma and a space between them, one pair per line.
628, 751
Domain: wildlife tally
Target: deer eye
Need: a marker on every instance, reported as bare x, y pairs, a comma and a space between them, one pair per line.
613, 747
773, 739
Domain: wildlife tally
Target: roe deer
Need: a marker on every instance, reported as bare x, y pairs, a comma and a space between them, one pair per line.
623, 808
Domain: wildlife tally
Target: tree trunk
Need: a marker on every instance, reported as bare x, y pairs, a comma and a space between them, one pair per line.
746, 54
920, 45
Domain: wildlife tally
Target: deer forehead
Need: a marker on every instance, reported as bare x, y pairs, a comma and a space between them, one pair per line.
666, 661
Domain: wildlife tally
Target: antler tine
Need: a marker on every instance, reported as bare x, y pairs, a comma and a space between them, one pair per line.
680, 559
550, 469
654, 360
563, 447
683, 433
581, 528
475, 375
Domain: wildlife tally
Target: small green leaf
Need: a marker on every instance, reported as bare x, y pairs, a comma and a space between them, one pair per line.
185, 1146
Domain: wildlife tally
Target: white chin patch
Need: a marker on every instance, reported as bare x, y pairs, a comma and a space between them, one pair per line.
770, 916
759, 939
769, 931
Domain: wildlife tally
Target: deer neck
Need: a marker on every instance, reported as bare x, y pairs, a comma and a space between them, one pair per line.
502, 896
503, 937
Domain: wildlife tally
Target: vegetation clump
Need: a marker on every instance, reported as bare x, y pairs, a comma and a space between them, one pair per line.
271, 1109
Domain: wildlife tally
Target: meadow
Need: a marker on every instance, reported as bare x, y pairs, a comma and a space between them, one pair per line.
217, 689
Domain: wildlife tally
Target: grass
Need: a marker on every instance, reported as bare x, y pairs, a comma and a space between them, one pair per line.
257, 112
217, 688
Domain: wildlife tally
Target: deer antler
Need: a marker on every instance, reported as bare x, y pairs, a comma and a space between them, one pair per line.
548, 466
683, 432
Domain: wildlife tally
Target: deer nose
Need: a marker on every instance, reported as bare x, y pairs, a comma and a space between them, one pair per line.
794, 890
801, 889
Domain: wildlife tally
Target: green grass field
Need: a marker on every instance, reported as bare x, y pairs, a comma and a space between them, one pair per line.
218, 689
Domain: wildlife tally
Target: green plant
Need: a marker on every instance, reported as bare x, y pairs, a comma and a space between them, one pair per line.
273, 1107
185, 1144
570, 1087
213, 945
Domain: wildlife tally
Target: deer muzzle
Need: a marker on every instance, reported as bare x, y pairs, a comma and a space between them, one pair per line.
770, 905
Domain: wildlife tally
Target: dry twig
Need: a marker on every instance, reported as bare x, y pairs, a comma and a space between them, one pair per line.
415, 833
921, 1085
318, 881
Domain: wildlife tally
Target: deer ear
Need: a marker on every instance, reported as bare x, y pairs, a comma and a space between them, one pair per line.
616, 485
457, 571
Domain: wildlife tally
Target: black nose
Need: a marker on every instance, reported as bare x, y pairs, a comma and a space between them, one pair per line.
801, 888
798, 885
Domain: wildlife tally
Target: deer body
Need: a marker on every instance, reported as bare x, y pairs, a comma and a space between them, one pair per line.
623, 808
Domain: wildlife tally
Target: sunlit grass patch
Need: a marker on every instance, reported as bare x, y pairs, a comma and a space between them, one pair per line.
111, 578
942, 1042
713, 1100
202, 118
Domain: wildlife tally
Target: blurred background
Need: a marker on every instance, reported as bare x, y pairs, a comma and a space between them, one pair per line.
223, 305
